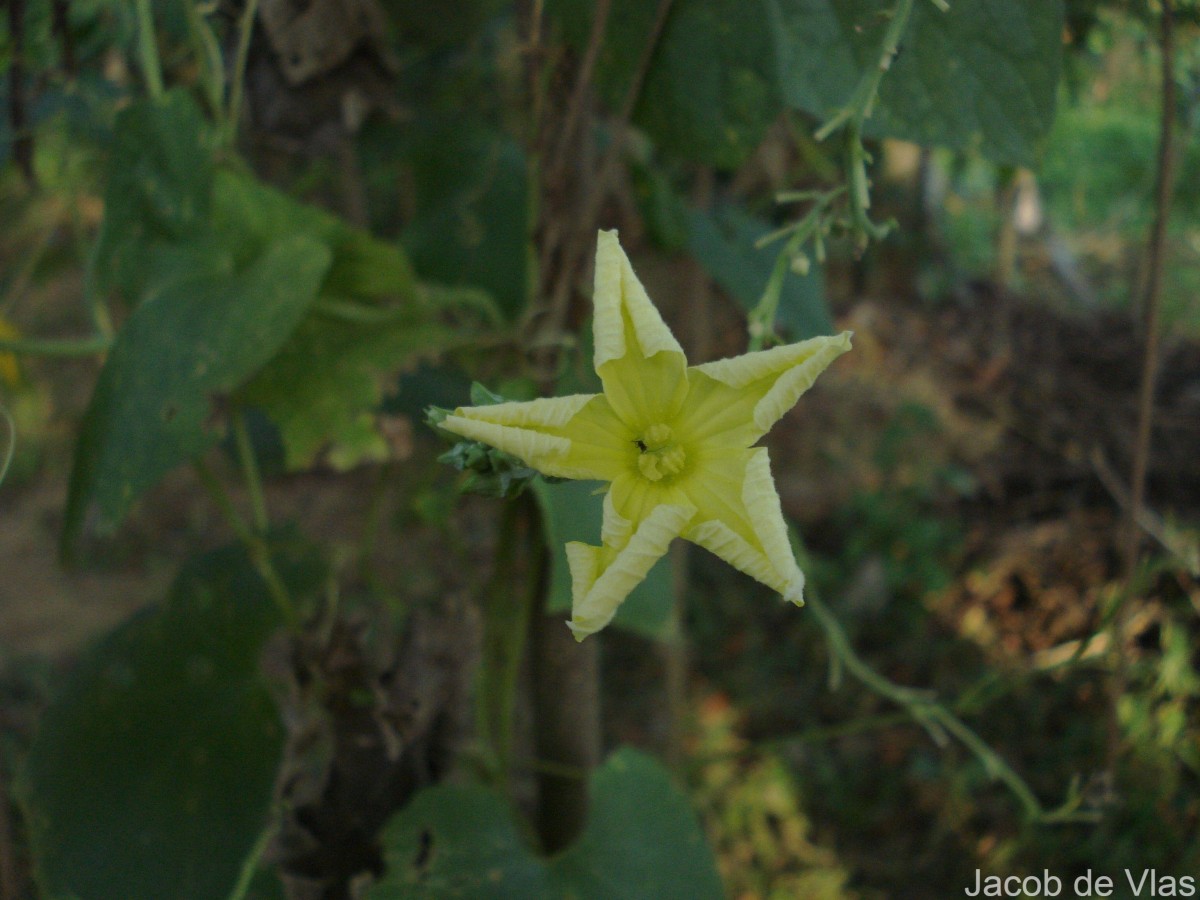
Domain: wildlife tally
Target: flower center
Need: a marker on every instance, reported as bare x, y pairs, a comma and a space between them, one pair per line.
658, 454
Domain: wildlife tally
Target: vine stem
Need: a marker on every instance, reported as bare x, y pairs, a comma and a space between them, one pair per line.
255, 544
55, 347
237, 87
583, 80
761, 321
582, 237
10, 442
1152, 298
1164, 181
251, 862
250, 471
862, 101
854, 114
925, 709
148, 50
208, 56
566, 699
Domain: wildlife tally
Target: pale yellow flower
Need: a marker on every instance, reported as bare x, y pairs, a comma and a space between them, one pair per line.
675, 442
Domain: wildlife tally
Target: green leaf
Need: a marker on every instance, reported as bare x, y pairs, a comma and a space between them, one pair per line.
471, 224
710, 91
152, 772
159, 191
324, 388
984, 74
198, 338
662, 207
170, 213
723, 242
572, 511
458, 841
641, 840
248, 215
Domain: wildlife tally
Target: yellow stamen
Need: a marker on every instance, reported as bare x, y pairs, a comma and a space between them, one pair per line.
659, 456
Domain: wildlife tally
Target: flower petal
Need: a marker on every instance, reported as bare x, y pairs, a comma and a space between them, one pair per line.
567, 437
734, 402
602, 577
642, 366
740, 519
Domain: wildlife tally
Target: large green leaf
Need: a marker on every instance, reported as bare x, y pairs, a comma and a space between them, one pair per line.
324, 387
710, 91
196, 339
572, 511
723, 242
158, 193
642, 840
248, 215
175, 229
151, 775
323, 391
471, 223
984, 74
171, 213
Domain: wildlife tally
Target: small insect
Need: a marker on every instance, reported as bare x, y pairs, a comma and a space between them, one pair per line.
641, 445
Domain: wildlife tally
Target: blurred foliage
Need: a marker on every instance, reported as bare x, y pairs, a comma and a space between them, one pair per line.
903, 522
751, 802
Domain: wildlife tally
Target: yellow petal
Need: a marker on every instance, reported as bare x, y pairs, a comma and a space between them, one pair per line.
536, 449
546, 412
734, 402
601, 580
740, 519
637, 358
567, 437
615, 529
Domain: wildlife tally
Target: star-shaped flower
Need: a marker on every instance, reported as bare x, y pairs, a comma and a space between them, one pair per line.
675, 442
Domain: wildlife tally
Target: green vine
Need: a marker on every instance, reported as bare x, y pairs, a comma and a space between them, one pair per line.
854, 194
923, 707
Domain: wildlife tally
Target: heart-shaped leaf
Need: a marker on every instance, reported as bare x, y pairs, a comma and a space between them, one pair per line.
152, 772
641, 840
